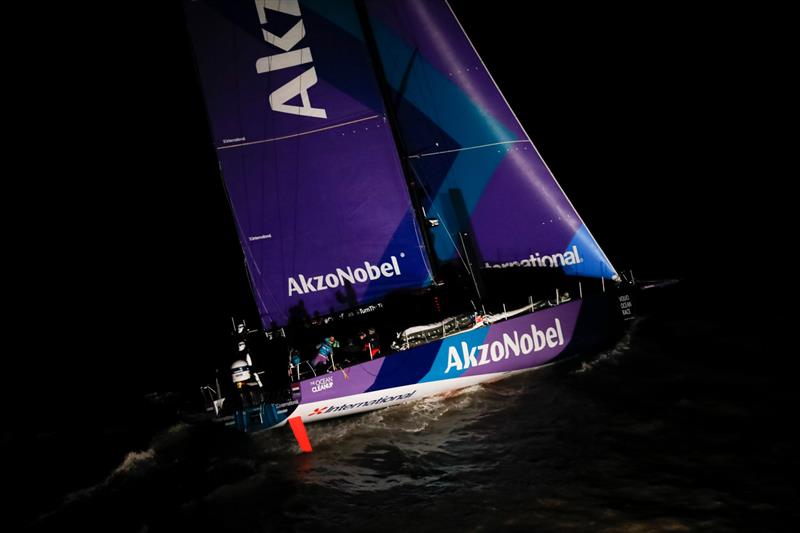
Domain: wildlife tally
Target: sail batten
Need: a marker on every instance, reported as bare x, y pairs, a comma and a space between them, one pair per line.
309, 132
464, 148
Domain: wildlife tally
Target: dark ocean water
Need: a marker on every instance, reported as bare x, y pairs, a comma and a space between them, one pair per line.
680, 427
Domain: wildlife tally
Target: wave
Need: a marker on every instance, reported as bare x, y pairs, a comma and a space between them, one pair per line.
136, 463
611, 356
134, 460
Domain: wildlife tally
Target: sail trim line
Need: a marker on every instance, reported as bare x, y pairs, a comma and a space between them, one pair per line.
298, 134
426, 154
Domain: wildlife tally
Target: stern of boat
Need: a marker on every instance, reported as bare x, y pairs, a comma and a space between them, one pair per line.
264, 416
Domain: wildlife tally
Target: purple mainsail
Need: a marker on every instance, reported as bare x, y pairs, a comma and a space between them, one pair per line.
479, 168
309, 163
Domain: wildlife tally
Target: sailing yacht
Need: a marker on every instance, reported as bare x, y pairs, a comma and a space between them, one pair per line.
379, 179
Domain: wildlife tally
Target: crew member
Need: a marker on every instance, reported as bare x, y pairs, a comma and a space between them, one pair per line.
294, 362
370, 343
325, 351
247, 383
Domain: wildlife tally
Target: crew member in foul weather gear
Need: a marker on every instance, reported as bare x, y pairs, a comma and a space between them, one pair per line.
294, 363
248, 384
369, 341
325, 351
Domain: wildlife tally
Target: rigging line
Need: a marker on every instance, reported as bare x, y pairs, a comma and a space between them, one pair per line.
297, 186
364, 369
239, 114
237, 145
441, 218
245, 248
391, 117
424, 74
417, 156
295, 205
269, 292
249, 252
258, 292
418, 229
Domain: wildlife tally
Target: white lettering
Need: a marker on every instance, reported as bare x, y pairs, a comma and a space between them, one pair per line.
538, 338
512, 343
453, 359
497, 351
526, 343
293, 287
322, 384
552, 337
469, 356
297, 87
345, 276
484, 354
307, 287
300, 85
284, 60
360, 274
288, 40
373, 271
290, 7
301, 284
570, 257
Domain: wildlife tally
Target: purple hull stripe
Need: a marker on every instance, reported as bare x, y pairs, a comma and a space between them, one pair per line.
525, 342
353, 380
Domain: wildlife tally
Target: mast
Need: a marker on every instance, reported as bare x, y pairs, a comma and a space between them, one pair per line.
391, 113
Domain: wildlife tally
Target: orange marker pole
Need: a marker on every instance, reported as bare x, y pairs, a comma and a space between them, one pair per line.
299, 430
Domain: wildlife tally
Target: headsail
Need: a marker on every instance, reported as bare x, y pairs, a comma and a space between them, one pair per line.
314, 179
481, 171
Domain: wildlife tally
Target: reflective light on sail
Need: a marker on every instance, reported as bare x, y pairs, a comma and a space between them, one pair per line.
481, 171
308, 159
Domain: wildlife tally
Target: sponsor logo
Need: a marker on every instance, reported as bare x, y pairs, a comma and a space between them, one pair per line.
626, 306
322, 384
514, 343
289, 57
301, 284
369, 403
571, 257
259, 237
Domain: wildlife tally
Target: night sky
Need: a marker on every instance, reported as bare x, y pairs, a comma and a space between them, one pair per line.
658, 125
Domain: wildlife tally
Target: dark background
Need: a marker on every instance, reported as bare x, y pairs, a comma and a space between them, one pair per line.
667, 128
660, 126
